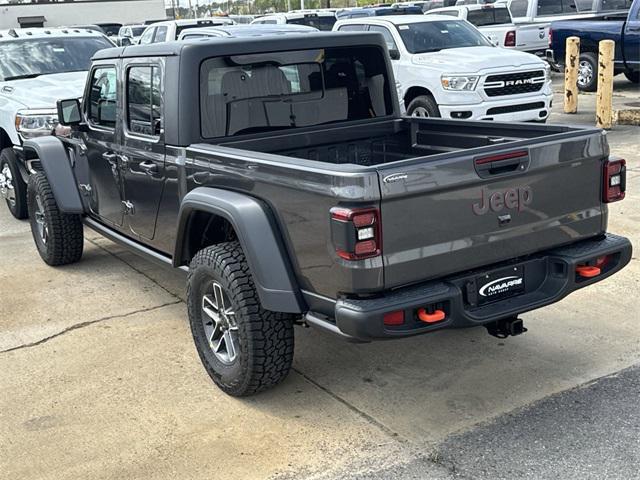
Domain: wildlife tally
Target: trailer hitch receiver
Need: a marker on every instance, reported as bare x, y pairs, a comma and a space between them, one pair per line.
506, 327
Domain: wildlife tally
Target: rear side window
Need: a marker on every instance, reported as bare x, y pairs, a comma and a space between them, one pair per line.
321, 23
450, 13
102, 97
518, 8
264, 92
352, 28
616, 4
489, 16
143, 100
556, 7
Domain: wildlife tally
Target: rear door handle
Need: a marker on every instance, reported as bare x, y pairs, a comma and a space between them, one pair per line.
148, 167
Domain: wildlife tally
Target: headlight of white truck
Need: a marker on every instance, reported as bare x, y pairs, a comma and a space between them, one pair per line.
547, 71
459, 82
36, 123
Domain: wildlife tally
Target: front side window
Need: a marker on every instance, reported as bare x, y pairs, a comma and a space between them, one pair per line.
388, 38
161, 35
264, 92
30, 58
440, 35
102, 97
147, 36
143, 100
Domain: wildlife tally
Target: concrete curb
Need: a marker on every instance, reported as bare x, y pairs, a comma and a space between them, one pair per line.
629, 116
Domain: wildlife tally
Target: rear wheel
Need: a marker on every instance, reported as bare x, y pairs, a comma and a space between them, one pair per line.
633, 76
423, 106
244, 348
588, 72
12, 187
58, 236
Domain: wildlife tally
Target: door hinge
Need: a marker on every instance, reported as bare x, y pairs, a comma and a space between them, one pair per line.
129, 209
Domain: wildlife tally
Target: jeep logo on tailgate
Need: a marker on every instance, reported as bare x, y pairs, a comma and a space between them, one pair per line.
512, 198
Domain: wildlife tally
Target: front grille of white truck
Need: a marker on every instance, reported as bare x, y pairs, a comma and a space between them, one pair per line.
514, 83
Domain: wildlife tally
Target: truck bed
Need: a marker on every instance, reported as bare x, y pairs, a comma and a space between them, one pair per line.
393, 141
433, 181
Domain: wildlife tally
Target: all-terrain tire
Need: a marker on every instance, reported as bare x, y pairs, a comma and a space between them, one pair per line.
424, 106
58, 236
633, 76
264, 339
18, 204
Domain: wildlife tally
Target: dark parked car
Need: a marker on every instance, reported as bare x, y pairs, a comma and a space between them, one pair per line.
622, 27
279, 173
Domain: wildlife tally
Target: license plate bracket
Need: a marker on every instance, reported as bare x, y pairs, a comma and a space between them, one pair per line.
500, 284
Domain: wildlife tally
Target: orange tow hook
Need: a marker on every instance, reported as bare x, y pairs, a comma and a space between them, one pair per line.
436, 316
588, 271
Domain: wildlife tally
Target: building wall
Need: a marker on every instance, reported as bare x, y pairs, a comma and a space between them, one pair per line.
83, 12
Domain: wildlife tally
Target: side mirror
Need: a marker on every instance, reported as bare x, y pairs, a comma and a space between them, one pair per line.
69, 112
394, 54
125, 41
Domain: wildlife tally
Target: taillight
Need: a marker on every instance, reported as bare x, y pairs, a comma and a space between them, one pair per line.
510, 39
356, 233
614, 179
550, 38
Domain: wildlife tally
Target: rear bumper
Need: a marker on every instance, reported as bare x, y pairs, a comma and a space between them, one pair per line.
551, 60
548, 277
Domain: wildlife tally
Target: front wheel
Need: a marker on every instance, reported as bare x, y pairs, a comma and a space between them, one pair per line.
12, 187
423, 106
588, 72
58, 236
244, 348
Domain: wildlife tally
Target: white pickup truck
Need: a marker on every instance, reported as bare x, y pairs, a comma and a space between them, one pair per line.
444, 67
496, 23
534, 17
37, 67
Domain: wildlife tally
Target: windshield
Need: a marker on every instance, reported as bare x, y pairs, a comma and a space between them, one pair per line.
300, 88
321, 23
137, 31
33, 57
440, 35
489, 16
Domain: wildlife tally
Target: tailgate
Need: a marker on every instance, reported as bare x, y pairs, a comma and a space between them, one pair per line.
532, 37
445, 216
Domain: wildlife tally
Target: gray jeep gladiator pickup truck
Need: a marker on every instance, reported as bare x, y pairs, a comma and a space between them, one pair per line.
284, 180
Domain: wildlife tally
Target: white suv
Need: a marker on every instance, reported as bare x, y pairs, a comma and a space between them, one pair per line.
444, 67
37, 67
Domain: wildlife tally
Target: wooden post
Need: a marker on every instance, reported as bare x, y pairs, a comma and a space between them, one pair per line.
604, 99
571, 63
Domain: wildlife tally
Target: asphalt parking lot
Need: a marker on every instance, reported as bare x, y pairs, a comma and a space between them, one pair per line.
99, 379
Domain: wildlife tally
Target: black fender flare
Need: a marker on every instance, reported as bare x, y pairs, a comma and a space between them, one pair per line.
259, 238
55, 162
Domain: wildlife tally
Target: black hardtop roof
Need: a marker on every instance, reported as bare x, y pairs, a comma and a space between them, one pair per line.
213, 47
